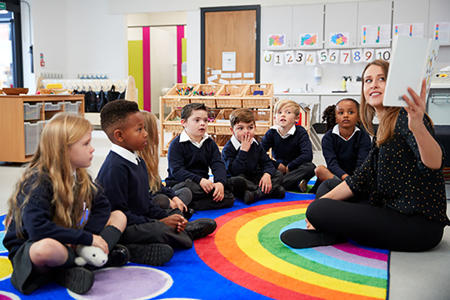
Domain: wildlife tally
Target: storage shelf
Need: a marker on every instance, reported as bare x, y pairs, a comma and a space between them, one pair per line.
23, 117
258, 97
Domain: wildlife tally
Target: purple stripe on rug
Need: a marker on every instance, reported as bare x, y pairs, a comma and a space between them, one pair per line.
110, 284
347, 247
351, 258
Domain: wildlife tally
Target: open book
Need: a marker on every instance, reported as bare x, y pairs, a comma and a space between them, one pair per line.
412, 60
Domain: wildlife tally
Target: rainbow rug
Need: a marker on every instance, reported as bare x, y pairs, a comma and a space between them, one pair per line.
243, 259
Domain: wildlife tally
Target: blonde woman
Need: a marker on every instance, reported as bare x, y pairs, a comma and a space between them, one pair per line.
55, 207
399, 200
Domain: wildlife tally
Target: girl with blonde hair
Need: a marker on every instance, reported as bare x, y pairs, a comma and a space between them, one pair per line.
163, 196
397, 195
56, 206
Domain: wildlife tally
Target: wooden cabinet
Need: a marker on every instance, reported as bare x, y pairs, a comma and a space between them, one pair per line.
341, 18
221, 100
23, 117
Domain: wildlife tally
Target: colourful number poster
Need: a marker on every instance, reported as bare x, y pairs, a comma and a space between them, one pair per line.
441, 32
308, 40
276, 40
268, 57
411, 30
372, 35
339, 39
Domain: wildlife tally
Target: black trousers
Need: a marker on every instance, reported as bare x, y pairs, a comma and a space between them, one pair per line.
204, 201
374, 226
252, 184
155, 232
292, 179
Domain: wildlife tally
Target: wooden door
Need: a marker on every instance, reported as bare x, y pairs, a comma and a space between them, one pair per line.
230, 31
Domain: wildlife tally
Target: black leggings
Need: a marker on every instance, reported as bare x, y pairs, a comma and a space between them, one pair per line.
374, 226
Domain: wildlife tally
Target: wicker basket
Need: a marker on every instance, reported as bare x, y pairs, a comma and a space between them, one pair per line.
205, 93
222, 123
230, 95
262, 118
174, 99
253, 98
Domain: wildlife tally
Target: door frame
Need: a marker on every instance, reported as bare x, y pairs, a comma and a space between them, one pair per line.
257, 8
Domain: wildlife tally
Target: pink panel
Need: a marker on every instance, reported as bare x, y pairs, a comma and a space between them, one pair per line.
180, 35
146, 68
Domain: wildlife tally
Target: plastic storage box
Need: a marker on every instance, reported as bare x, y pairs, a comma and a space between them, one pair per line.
32, 135
52, 107
72, 107
31, 111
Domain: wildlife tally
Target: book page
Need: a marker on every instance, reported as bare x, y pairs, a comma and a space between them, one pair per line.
412, 60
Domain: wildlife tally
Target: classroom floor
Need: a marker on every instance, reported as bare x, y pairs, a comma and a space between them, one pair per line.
413, 276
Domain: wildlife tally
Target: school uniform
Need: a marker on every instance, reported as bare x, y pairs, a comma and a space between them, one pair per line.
249, 165
124, 178
406, 208
189, 162
342, 155
37, 224
293, 150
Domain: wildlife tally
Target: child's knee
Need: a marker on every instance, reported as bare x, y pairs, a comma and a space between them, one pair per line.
118, 219
47, 250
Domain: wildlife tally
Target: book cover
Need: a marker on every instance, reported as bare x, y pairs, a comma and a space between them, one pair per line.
412, 61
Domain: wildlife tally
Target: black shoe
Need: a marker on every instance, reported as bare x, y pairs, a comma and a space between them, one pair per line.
278, 192
304, 238
78, 279
188, 213
150, 254
249, 197
200, 228
118, 256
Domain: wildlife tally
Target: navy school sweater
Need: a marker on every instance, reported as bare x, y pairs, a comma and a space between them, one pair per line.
126, 186
292, 151
253, 164
187, 161
342, 156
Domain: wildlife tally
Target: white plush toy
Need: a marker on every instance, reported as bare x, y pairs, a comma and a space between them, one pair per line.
90, 255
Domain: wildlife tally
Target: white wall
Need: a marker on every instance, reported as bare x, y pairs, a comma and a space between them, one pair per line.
77, 37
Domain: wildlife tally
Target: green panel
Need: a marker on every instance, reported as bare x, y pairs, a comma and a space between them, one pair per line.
135, 68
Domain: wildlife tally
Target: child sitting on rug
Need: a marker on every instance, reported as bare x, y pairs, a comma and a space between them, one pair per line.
55, 207
250, 170
191, 155
291, 147
397, 195
164, 197
151, 232
345, 146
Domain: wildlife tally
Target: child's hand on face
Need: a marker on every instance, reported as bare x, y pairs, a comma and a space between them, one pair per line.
218, 192
177, 203
265, 183
176, 221
246, 142
282, 168
98, 241
206, 185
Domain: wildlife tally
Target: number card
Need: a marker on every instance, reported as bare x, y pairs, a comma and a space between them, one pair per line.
357, 56
278, 59
345, 57
322, 56
268, 57
333, 56
300, 57
289, 57
368, 55
311, 59
384, 54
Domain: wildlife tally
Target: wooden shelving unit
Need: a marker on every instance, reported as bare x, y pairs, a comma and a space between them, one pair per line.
14, 118
221, 100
